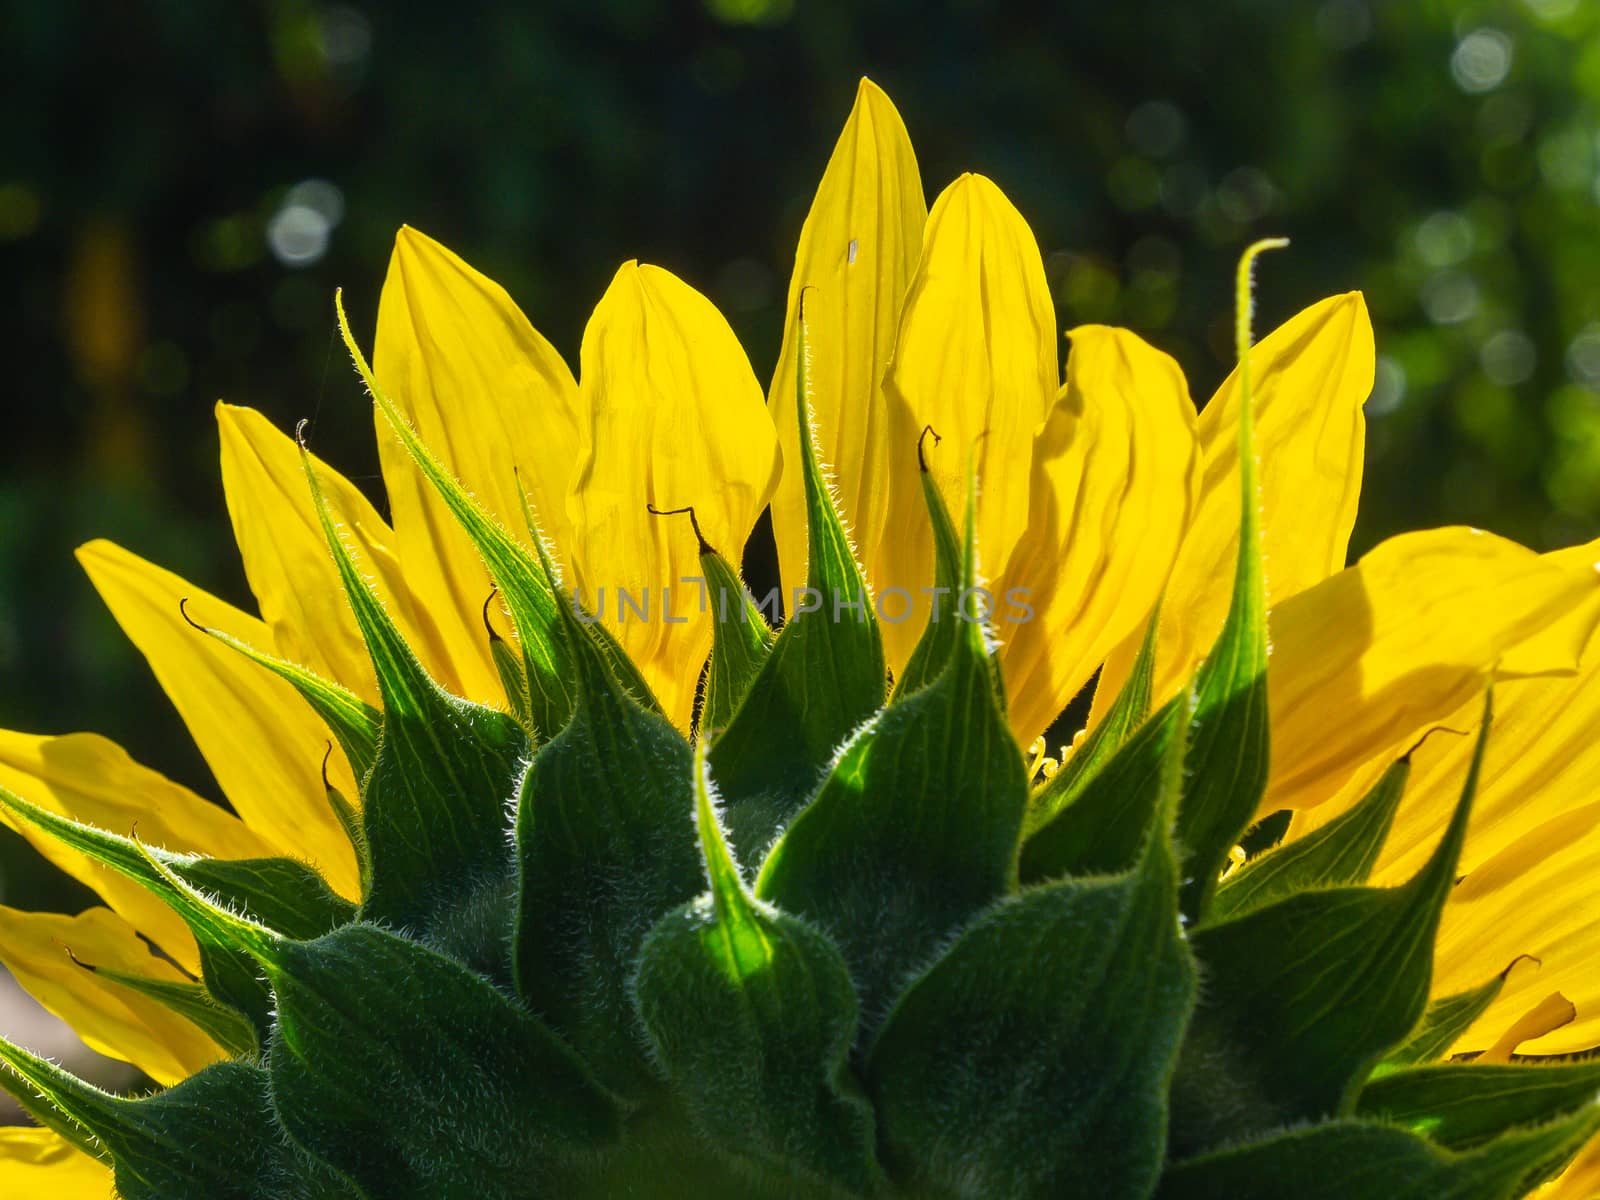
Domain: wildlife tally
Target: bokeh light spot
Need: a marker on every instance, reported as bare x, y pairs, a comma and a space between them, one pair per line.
1481, 60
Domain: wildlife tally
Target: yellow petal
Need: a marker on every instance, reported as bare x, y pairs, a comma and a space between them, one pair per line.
286, 556
36, 1162
1309, 379
858, 249
1550, 1014
675, 417
1581, 1179
1365, 660
1532, 854
975, 358
93, 780
1540, 761
1114, 476
1536, 896
108, 1017
492, 400
262, 741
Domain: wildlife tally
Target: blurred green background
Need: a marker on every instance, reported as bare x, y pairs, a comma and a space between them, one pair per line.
182, 185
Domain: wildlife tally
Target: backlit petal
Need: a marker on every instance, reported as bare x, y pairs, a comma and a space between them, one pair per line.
1364, 661
493, 400
261, 740
91, 779
109, 1017
1310, 377
286, 557
1535, 896
1114, 476
976, 359
858, 249
675, 417
1581, 1179
1533, 848
37, 1162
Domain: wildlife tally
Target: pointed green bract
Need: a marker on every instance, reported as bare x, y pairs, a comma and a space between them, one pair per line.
604, 847
741, 645
1304, 996
1126, 715
432, 806
353, 721
1032, 1058
529, 592
1100, 830
210, 1136
1343, 851
1228, 754
223, 1025
938, 640
752, 1014
286, 896
1445, 1020
512, 669
824, 676
1362, 1160
1460, 1105
915, 828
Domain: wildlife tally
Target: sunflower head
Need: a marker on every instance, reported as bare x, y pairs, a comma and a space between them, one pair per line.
558, 867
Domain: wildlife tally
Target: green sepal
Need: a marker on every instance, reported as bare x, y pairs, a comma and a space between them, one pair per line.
284, 895
1231, 740
938, 639
1444, 1021
1363, 1160
530, 593
741, 644
1032, 1058
1345, 850
351, 720
416, 1077
210, 1136
824, 676
1306, 995
915, 828
349, 818
753, 1015
1103, 824
513, 672
34, 1083
1461, 1105
191, 1001
433, 808
603, 850
1122, 720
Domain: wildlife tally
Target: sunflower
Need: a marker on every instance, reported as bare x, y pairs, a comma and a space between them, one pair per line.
539, 596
